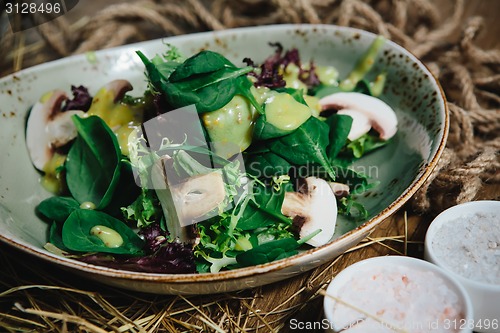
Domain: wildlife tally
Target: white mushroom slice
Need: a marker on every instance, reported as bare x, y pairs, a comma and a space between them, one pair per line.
340, 190
48, 128
198, 195
160, 185
185, 203
118, 88
313, 207
382, 117
360, 123
61, 129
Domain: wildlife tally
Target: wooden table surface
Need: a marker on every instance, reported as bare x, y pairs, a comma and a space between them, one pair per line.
400, 224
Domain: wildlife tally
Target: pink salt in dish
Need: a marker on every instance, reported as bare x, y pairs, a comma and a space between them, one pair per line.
396, 294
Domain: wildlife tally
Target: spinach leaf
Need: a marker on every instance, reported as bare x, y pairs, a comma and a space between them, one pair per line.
93, 162
126, 190
342, 160
306, 145
201, 63
265, 210
363, 87
57, 208
273, 250
265, 164
210, 91
208, 95
76, 234
265, 131
267, 252
207, 80
196, 84
340, 125
243, 86
156, 77
55, 236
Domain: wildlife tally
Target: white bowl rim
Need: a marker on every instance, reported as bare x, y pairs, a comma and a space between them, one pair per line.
275, 265
400, 260
444, 217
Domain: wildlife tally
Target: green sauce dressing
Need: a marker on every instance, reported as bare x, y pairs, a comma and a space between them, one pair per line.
230, 127
328, 75
108, 236
291, 77
53, 180
285, 113
120, 117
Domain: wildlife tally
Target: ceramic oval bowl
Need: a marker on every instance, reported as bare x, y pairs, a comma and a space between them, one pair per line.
401, 167
469, 254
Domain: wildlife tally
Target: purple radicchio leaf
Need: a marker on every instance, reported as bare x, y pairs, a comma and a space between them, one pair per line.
154, 237
170, 258
81, 99
309, 77
269, 75
271, 70
162, 256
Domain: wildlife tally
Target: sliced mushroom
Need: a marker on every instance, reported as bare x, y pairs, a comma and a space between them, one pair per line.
381, 116
339, 189
198, 195
187, 202
313, 207
121, 117
106, 104
48, 128
61, 129
119, 88
360, 123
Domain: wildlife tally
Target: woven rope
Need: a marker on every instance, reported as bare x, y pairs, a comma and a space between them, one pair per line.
467, 73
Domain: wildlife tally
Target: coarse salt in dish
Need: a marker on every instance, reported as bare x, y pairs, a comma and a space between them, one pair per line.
395, 294
476, 253
465, 241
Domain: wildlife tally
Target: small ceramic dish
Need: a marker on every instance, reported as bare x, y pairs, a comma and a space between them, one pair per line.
400, 168
465, 241
396, 294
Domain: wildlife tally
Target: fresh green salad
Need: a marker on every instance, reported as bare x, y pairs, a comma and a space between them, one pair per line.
215, 166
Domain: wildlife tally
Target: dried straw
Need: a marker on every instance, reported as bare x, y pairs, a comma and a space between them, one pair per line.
45, 301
